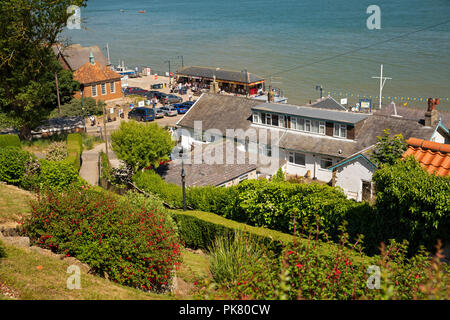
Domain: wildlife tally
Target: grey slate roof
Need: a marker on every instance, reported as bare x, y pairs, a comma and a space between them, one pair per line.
203, 174
230, 112
328, 103
77, 55
220, 112
221, 74
311, 112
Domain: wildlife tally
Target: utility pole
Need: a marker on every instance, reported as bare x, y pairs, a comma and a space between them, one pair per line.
319, 87
170, 77
57, 94
106, 136
382, 82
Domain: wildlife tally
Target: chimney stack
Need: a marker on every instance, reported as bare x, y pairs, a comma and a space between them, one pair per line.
432, 115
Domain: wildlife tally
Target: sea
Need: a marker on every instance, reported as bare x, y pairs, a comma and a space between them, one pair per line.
296, 45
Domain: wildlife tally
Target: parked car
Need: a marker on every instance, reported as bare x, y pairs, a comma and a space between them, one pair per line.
182, 107
159, 113
134, 90
142, 114
170, 98
151, 94
160, 96
169, 111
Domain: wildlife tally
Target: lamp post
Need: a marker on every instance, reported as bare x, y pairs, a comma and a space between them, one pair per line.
82, 106
183, 179
170, 77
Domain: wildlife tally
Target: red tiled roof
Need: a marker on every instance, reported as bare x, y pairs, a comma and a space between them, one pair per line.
98, 72
433, 156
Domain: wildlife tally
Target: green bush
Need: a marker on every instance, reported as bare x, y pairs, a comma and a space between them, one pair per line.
212, 199
151, 182
74, 108
74, 149
13, 162
124, 238
2, 250
412, 204
9, 140
57, 175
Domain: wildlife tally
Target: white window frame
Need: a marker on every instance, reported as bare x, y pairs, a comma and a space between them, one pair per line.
322, 127
312, 126
112, 87
307, 123
256, 117
293, 154
268, 116
94, 90
326, 159
340, 129
294, 123
103, 88
281, 121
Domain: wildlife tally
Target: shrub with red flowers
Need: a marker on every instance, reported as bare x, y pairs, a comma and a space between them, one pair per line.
129, 239
303, 272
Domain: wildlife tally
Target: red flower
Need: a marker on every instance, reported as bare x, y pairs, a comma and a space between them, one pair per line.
299, 266
290, 252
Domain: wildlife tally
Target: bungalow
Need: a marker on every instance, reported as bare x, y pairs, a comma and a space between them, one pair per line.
303, 140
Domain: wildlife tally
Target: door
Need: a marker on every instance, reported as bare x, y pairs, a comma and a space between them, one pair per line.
366, 190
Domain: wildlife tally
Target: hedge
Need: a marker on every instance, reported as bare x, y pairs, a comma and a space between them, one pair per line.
74, 149
199, 229
9, 140
13, 164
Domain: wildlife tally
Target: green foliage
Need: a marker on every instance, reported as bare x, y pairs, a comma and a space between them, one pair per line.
124, 238
89, 141
74, 149
412, 204
28, 63
228, 255
212, 199
388, 149
58, 175
74, 108
279, 176
57, 151
9, 140
151, 182
13, 162
141, 145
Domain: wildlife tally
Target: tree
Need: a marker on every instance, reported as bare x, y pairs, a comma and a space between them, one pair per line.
388, 149
279, 176
27, 62
73, 108
141, 145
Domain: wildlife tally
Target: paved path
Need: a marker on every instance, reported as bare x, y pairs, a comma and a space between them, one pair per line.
89, 166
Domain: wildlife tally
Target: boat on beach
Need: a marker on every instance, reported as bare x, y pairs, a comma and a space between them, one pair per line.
141, 11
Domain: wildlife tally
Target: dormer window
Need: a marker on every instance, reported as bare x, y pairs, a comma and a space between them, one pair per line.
256, 117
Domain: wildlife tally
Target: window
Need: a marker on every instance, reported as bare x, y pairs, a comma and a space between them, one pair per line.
112, 87
297, 158
308, 125
244, 177
281, 122
340, 130
326, 162
315, 126
256, 118
275, 120
322, 127
301, 124
294, 123
103, 86
263, 118
268, 151
94, 90
268, 119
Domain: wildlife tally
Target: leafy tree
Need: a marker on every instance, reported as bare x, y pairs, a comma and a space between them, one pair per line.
389, 148
413, 204
74, 108
27, 63
279, 176
141, 145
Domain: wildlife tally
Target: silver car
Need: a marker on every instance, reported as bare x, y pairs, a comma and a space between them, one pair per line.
169, 111
159, 113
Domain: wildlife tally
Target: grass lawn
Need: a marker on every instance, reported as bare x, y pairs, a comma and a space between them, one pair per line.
35, 276
14, 203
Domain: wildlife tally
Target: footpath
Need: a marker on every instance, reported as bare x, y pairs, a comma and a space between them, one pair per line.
89, 164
